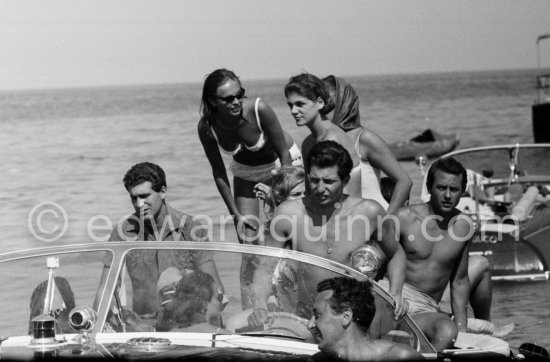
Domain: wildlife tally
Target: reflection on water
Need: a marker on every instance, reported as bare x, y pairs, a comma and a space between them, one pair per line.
527, 305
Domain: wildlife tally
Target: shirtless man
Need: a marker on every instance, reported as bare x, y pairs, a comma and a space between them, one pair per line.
330, 224
436, 238
342, 314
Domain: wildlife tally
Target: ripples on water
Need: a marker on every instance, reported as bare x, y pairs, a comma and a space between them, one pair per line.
74, 146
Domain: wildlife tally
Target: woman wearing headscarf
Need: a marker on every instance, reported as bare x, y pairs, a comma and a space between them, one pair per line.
372, 150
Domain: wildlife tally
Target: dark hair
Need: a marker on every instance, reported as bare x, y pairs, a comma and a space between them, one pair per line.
353, 295
447, 165
285, 180
211, 84
330, 153
311, 87
188, 303
142, 172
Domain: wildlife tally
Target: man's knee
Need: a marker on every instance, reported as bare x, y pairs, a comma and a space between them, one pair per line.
480, 263
447, 331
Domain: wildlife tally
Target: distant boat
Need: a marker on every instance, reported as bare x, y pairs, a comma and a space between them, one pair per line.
541, 108
429, 143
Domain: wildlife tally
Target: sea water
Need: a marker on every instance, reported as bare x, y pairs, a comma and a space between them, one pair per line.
65, 153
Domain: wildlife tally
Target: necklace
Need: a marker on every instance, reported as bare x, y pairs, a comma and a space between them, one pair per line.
337, 205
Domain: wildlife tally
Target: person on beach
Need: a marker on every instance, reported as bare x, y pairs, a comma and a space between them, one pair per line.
372, 150
436, 238
308, 100
326, 213
343, 311
155, 220
250, 132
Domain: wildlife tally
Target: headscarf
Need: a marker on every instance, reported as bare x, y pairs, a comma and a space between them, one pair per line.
346, 103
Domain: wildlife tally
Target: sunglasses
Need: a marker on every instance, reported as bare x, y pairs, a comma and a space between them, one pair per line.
230, 99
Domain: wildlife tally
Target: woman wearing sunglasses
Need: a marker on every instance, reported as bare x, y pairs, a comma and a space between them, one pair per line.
250, 132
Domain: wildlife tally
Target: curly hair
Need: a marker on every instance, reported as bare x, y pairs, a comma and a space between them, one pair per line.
311, 87
447, 165
142, 172
330, 153
287, 178
353, 295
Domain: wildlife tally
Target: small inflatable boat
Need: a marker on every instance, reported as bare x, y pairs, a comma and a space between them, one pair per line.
428, 143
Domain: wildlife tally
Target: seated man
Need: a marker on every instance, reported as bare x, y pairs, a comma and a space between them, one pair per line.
155, 220
188, 302
330, 224
436, 238
342, 314
481, 285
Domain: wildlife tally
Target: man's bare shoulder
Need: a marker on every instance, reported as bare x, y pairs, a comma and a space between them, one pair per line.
412, 212
463, 223
365, 206
396, 351
290, 207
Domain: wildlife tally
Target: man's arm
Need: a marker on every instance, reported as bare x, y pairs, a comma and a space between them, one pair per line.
460, 283
396, 261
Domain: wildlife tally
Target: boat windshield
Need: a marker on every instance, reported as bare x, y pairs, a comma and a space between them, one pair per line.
180, 290
497, 162
76, 276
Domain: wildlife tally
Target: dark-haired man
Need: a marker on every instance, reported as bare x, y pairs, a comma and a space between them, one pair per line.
436, 238
330, 224
342, 314
155, 220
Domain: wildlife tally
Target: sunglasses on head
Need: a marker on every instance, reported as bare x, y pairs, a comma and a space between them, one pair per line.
230, 99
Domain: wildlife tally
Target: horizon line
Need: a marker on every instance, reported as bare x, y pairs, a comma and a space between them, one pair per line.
267, 79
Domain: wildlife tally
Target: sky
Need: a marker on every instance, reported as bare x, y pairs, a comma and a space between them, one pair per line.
75, 43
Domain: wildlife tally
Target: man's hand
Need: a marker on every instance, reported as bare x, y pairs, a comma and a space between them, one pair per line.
401, 306
257, 318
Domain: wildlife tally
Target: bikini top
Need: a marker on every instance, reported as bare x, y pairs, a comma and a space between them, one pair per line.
259, 144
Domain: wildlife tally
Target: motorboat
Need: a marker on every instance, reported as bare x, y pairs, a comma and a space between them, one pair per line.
541, 108
428, 143
75, 301
508, 197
